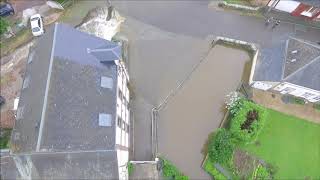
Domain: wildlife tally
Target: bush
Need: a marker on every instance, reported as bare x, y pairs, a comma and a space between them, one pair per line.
248, 122
3, 26
171, 172
130, 168
209, 167
221, 147
261, 172
299, 101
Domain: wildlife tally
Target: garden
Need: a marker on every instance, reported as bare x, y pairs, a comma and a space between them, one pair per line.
259, 143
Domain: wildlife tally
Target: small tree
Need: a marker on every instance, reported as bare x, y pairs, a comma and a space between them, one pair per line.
221, 147
3, 26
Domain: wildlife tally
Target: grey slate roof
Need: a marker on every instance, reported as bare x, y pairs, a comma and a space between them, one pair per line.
295, 61
68, 165
59, 108
75, 97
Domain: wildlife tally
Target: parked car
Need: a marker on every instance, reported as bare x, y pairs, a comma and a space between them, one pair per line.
6, 9
2, 100
36, 25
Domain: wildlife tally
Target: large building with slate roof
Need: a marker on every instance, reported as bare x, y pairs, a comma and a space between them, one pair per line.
292, 68
73, 118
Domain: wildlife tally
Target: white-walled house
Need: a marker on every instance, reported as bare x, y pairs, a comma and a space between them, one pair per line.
308, 9
73, 117
290, 68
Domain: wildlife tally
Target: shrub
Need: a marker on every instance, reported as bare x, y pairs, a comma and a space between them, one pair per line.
248, 122
261, 172
221, 147
209, 167
234, 102
3, 26
297, 100
171, 172
130, 168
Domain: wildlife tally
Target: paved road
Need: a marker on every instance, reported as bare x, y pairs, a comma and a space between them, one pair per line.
194, 18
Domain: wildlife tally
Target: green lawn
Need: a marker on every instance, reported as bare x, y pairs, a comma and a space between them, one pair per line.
291, 145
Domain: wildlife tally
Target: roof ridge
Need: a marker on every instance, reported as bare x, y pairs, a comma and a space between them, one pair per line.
303, 67
45, 99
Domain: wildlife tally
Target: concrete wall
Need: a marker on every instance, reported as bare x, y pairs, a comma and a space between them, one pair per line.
123, 158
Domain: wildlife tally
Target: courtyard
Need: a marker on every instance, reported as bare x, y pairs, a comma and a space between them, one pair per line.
185, 123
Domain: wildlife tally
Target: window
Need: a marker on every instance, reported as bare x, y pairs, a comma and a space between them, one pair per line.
119, 122
127, 128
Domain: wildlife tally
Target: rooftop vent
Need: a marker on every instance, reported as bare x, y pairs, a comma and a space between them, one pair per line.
106, 82
104, 120
294, 52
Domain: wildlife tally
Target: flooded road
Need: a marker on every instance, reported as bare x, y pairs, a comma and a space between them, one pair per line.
197, 109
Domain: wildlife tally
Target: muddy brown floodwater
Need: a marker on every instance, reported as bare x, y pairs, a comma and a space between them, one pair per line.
198, 108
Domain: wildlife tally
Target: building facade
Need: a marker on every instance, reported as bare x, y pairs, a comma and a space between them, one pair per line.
308, 9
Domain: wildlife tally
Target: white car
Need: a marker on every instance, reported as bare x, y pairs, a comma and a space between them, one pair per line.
36, 25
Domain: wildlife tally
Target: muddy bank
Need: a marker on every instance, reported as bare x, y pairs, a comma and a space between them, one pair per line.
197, 109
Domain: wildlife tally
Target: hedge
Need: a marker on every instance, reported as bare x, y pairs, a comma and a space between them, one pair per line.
245, 135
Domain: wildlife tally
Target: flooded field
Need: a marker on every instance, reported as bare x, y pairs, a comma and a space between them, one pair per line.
197, 109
